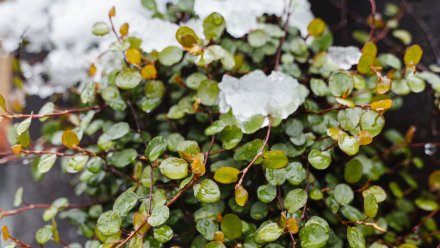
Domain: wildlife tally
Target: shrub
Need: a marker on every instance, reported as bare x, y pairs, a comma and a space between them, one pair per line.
273, 139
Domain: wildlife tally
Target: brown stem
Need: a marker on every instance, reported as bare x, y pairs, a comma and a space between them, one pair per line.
37, 206
259, 153
58, 113
372, 21
283, 39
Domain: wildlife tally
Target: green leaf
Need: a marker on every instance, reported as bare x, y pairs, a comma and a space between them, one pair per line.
124, 203
318, 87
275, 159
268, 232
355, 237
100, 29
413, 55
247, 151
18, 197
266, 193
109, 223
3, 103
213, 26
207, 191
353, 171
159, 215
231, 226
348, 119
348, 144
76, 163
207, 227
226, 175
44, 234
313, 235
88, 93
295, 200
47, 108
295, 173
365, 63
275, 176
343, 194
188, 149
174, 168
258, 38
163, 234
231, 137
208, 92
194, 80
319, 160
156, 147
118, 130
377, 191
370, 206
128, 78
24, 126
46, 162
122, 158
341, 83
372, 122
216, 127
170, 55
186, 37
427, 204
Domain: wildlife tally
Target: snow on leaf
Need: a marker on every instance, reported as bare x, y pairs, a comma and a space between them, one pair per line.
343, 57
240, 15
256, 94
301, 16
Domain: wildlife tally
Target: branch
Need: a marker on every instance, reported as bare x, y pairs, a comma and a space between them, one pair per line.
4, 213
372, 21
58, 113
259, 153
283, 39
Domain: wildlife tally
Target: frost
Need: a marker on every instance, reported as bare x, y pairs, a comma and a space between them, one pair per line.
256, 94
344, 57
301, 16
240, 15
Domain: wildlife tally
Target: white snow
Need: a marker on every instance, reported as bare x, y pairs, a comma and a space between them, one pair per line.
255, 94
344, 57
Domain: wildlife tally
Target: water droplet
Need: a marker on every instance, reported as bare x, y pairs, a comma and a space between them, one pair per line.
430, 149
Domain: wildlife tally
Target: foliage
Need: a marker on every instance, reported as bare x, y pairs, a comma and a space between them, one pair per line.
268, 140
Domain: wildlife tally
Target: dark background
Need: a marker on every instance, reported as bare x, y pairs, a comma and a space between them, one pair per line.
417, 110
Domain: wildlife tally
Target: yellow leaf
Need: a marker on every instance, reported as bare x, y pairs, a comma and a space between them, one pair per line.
345, 102
16, 149
316, 27
92, 70
226, 175
112, 12
149, 72
365, 63
139, 220
5, 232
241, 196
382, 105
133, 56
434, 181
383, 85
370, 48
364, 138
292, 226
3, 103
123, 30
409, 135
219, 237
197, 166
70, 139
413, 55
333, 132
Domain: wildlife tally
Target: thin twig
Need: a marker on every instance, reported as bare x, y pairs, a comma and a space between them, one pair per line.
283, 39
57, 113
259, 153
373, 18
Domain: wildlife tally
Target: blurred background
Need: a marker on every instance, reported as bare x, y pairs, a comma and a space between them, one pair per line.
58, 32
